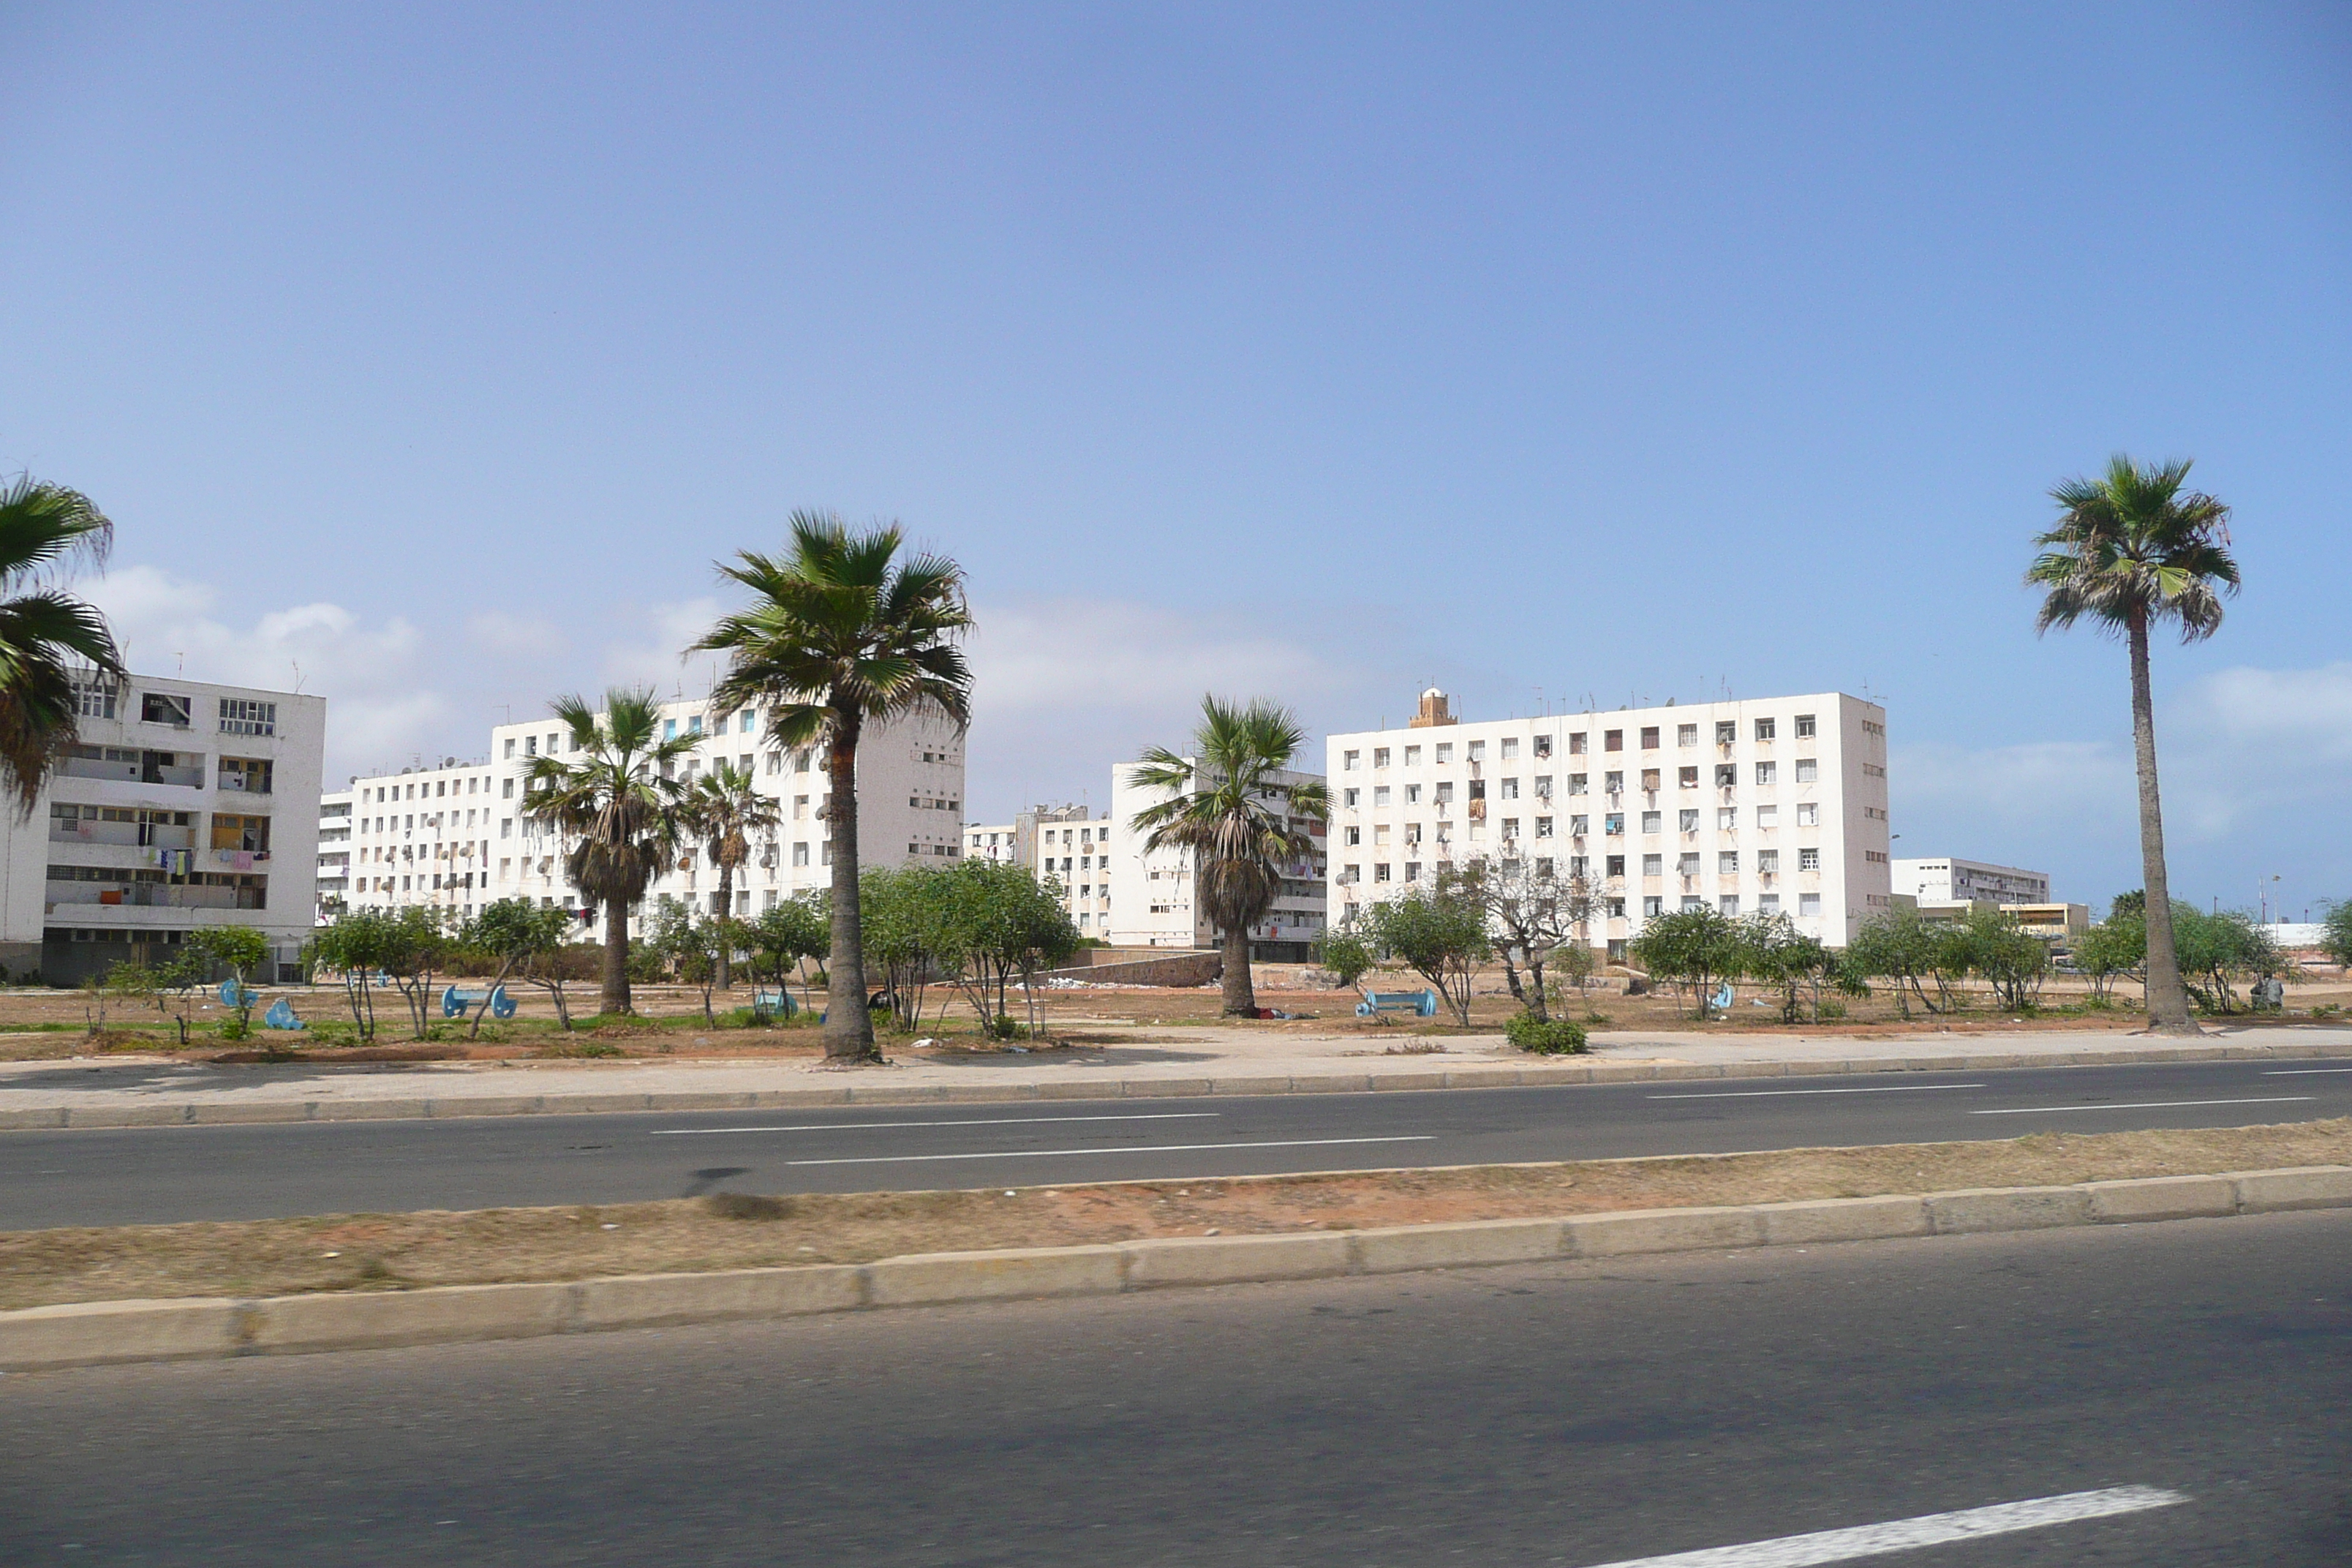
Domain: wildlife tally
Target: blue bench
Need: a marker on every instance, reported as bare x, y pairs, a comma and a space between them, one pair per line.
1420, 1003
232, 995
281, 1017
455, 1003
776, 1004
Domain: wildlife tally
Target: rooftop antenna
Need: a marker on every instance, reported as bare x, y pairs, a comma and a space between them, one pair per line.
180, 662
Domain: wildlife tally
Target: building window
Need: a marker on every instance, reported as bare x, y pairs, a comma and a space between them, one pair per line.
1764, 729
1809, 770
1693, 901
1543, 746
1729, 904
1543, 826
1768, 817
1349, 797
1579, 826
161, 707
1726, 863
1727, 731
1380, 796
1614, 740
1687, 735
1726, 775
1809, 859
1804, 726
1348, 760
1653, 822
251, 775
1576, 745
1652, 907
1577, 782
1686, 778
1354, 836
1650, 738
1768, 903
1687, 820
96, 695
1764, 771
1688, 865
1768, 861
1726, 818
1614, 865
1613, 824
1809, 814
1380, 756
1475, 751
1413, 756
1614, 783
1444, 752
1653, 865
1809, 903
1412, 794
1510, 749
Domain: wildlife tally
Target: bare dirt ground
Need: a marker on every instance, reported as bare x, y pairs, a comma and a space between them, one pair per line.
400, 1251
671, 1022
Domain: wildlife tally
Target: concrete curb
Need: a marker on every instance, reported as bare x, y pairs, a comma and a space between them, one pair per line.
1544, 1076
103, 1332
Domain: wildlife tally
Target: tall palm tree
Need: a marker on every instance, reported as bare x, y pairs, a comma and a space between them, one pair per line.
611, 797
2132, 551
723, 809
44, 632
841, 634
1237, 825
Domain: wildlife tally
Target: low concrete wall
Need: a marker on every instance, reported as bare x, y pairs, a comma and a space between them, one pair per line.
1176, 968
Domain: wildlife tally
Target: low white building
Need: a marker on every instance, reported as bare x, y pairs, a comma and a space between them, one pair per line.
1065, 843
163, 819
1152, 895
1772, 805
1946, 880
455, 835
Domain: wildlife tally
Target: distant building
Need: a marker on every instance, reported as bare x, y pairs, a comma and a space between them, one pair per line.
1773, 806
1157, 902
164, 818
453, 836
1947, 880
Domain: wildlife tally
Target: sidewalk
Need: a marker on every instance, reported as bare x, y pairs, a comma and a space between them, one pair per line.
1163, 1061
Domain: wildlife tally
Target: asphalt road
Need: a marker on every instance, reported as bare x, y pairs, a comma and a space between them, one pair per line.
1561, 1414
163, 1174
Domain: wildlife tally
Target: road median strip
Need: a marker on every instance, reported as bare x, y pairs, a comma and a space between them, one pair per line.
94, 1334
147, 1112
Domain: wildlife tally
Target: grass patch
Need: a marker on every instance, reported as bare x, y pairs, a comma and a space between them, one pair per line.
736, 1230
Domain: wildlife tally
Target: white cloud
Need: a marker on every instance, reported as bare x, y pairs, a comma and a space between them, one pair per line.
380, 705
652, 654
507, 636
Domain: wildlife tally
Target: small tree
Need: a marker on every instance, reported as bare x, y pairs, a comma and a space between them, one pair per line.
516, 935
354, 947
1532, 913
1699, 948
176, 985
794, 931
2335, 933
1897, 946
1347, 956
1775, 954
1440, 931
2217, 951
413, 944
900, 924
2117, 946
991, 922
240, 950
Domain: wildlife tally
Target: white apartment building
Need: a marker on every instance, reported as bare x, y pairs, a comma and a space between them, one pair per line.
1947, 880
1152, 895
1065, 843
161, 820
455, 835
1774, 804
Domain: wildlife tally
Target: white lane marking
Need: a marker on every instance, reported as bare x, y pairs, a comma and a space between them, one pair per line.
2140, 1105
1767, 1093
1910, 1534
2300, 1073
1134, 1149
965, 1121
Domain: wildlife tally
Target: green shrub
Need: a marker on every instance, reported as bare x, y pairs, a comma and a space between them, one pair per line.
1552, 1037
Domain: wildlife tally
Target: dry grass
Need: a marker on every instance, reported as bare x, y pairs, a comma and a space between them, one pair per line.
350, 1252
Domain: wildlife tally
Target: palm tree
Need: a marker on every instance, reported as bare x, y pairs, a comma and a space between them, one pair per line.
2134, 550
725, 810
613, 800
45, 633
1238, 827
842, 633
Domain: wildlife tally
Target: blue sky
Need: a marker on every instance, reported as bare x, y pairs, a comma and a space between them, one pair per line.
1605, 353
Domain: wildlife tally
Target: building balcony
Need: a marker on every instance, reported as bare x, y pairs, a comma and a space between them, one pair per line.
152, 895
123, 835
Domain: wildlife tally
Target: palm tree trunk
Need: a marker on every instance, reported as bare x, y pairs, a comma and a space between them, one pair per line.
615, 996
726, 913
848, 1027
1241, 997
2168, 1000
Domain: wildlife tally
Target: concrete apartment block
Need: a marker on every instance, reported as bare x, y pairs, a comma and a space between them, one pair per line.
453, 836
1775, 805
163, 819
